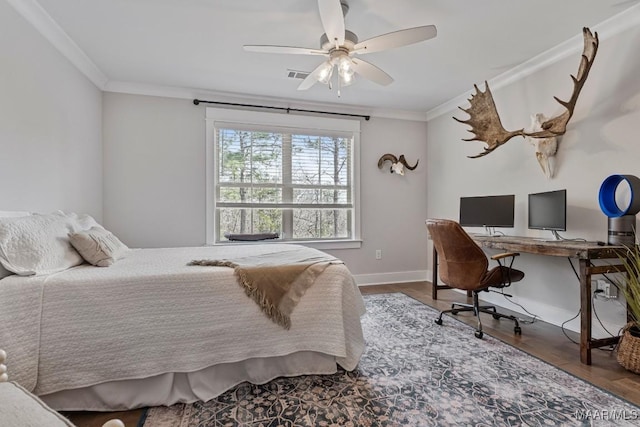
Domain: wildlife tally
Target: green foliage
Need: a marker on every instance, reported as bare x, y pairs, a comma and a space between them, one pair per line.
253, 168
630, 282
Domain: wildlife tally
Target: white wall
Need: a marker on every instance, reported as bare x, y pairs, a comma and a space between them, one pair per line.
154, 173
393, 207
154, 184
50, 126
601, 140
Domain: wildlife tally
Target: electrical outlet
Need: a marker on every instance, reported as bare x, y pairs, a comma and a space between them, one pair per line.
603, 286
613, 291
607, 288
378, 253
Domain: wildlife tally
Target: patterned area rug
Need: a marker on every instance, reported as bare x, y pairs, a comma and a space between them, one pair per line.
414, 373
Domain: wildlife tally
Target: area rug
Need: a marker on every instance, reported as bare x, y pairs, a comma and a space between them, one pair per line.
414, 373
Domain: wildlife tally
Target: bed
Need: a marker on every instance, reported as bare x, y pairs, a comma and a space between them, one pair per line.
152, 330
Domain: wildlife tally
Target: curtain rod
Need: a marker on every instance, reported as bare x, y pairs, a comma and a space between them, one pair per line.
288, 110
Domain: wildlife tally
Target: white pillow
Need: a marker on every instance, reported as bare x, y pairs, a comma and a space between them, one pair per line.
37, 244
82, 221
10, 214
98, 246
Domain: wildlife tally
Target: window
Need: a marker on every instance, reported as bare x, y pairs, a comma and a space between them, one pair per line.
274, 173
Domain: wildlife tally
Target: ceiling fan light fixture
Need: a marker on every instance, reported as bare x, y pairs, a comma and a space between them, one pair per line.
325, 74
344, 64
346, 77
340, 45
346, 72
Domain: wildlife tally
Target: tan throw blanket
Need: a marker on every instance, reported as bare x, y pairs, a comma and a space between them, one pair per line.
276, 281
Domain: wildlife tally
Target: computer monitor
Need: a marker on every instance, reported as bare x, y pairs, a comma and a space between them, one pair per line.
548, 211
487, 211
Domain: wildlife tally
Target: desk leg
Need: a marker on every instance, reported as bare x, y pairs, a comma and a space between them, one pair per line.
585, 312
434, 277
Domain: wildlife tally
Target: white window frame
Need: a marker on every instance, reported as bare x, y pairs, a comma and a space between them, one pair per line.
214, 115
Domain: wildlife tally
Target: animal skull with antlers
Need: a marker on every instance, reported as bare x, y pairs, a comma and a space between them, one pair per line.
397, 164
485, 122
546, 148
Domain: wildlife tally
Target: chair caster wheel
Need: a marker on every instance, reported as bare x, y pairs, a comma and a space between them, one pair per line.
438, 321
495, 316
479, 334
455, 313
517, 330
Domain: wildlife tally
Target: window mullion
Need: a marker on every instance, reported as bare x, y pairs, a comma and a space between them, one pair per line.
264, 175
251, 197
218, 149
287, 187
350, 195
319, 193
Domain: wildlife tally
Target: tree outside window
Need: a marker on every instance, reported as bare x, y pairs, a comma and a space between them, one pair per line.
296, 184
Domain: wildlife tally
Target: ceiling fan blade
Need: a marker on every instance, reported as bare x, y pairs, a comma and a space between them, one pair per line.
332, 20
313, 76
396, 39
284, 49
371, 72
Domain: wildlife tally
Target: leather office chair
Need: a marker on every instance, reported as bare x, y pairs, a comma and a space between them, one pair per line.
463, 265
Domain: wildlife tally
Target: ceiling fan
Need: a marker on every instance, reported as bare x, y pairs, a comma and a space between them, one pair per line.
341, 46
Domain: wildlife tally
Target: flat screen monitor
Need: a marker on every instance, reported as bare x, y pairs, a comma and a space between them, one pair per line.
487, 211
548, 210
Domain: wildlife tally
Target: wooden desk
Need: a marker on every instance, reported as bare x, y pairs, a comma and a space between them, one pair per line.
585, 252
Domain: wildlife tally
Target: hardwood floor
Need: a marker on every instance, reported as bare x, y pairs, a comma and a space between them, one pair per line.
540, 339
91, 419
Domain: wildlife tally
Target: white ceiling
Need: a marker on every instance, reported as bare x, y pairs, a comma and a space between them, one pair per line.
198, 43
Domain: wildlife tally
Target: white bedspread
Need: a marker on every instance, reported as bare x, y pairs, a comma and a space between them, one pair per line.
150, 314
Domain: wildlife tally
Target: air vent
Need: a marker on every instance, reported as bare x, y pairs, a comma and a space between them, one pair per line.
295, 74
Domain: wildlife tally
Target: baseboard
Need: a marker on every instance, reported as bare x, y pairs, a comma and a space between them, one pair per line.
551, 314
555, 315
547, 313
390, 278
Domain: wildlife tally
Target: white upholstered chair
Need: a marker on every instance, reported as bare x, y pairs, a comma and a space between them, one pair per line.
20, 408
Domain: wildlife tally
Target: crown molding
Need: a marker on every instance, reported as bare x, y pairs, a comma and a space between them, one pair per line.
193, 93
40, 19
33, 12
623, 21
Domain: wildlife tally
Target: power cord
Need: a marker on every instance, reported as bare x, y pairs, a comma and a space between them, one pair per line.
593, 306
614, 282
593, 298
574, 269
525, 321
620, 291
565, 332
559, 237
612, 348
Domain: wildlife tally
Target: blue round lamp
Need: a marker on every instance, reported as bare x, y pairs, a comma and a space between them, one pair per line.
607, 196
622, 221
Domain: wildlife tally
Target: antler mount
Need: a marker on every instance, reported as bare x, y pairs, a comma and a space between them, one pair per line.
486, 124
397, 164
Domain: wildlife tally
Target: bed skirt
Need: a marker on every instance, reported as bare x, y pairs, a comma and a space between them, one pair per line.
179, 387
